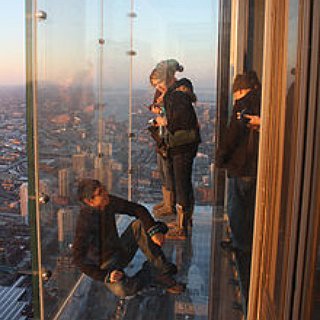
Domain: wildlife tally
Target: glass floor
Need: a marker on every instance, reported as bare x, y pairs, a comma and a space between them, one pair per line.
193, 259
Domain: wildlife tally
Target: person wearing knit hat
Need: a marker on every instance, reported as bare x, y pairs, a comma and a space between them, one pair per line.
183, 137
164, 73
166, 207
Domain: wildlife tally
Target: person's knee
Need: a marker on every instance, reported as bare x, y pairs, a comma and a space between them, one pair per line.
136, 224
137, 228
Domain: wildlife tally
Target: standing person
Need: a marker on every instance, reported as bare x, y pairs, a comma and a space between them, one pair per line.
183, 136
239, 155
102, 254
167, 206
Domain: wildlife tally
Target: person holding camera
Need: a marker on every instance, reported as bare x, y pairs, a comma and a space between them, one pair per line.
102, 254
182, 137
238, 154
167, 206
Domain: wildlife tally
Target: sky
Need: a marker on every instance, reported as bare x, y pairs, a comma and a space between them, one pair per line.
68, 50
12, 53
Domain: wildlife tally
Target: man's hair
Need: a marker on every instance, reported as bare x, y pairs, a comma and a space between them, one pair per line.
87, 187
246, 81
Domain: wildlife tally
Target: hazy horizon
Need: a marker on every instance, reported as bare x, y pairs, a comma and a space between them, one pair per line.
67, 41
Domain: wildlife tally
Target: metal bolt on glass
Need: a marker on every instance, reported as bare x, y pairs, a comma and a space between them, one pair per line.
46, 275
41, 15
44, 198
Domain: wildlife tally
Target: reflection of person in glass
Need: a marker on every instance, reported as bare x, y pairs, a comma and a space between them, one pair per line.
238, 153
101, 254
183, 136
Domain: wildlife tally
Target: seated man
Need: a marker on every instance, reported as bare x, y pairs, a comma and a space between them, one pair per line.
101, 254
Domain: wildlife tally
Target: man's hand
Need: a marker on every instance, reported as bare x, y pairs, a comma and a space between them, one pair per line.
254, 121
158, 238
116, 275
155, 109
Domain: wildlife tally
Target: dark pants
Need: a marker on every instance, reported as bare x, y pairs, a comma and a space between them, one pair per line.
135, 237
241, 206
165, 172
182, 178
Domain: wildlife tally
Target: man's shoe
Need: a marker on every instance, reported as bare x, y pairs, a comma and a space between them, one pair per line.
163, 211
177, 234
157, 206
178, 288
169, 284
170, 269
174, 224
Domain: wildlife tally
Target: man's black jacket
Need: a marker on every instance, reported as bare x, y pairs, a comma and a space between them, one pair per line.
239, 149
97, 239
180, 113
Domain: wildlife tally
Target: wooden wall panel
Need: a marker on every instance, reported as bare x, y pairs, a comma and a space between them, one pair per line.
270, 161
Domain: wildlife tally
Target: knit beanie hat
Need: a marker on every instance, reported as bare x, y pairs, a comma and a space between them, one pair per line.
165, 71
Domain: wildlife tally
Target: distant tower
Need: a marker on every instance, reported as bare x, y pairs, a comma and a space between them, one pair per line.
79, 164
44, 186
99, 172
108, 150
64, 183
109, 177
24, 202
66, 225
103, 172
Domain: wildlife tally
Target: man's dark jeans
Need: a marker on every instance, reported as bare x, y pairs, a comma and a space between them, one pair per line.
135, 237
182, 177
165, 172
241, 206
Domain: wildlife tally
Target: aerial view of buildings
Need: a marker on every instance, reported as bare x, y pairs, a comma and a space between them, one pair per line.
77, 79
68, 144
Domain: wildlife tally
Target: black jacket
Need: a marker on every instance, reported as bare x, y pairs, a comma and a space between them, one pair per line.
97, 238
239, 149
180, 113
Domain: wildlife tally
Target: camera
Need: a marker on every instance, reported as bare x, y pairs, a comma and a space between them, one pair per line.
153, 122
154, 106
242, 117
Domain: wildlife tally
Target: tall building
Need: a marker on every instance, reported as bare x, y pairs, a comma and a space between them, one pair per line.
79, 164
23, 192
66, 225
108, 150
64, 183
103, 172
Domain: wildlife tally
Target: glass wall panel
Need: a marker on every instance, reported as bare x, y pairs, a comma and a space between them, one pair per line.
237, 153
67, 64
140, 34
93, 63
